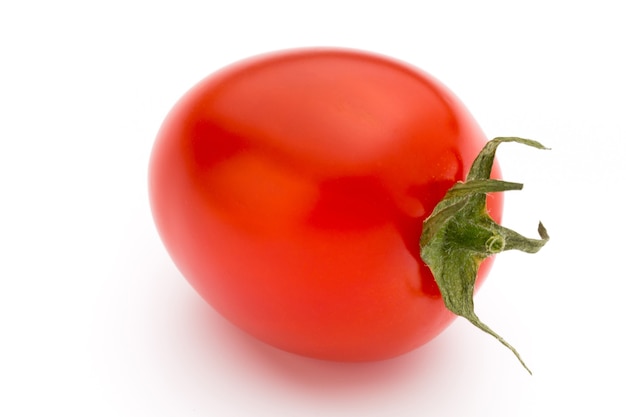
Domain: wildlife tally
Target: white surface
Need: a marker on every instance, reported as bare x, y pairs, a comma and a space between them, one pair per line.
96, 321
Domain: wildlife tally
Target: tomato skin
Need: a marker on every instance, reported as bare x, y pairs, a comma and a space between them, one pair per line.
290, 191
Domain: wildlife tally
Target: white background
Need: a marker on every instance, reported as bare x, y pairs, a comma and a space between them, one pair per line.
96, 321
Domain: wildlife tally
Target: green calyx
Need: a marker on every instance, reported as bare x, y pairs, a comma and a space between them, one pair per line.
460, 234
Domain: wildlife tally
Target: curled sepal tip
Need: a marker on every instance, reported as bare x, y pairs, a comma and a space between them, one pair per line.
459, 234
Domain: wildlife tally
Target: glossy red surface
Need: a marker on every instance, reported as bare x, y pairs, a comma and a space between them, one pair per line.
290, 190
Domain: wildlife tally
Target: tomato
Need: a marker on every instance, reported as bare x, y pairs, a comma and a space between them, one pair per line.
290, 190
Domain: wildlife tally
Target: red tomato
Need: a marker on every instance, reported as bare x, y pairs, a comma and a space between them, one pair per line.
290, 190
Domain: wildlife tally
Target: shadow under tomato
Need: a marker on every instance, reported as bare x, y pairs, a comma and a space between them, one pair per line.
216, 342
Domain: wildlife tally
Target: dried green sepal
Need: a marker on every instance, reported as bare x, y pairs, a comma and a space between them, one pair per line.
459, 234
